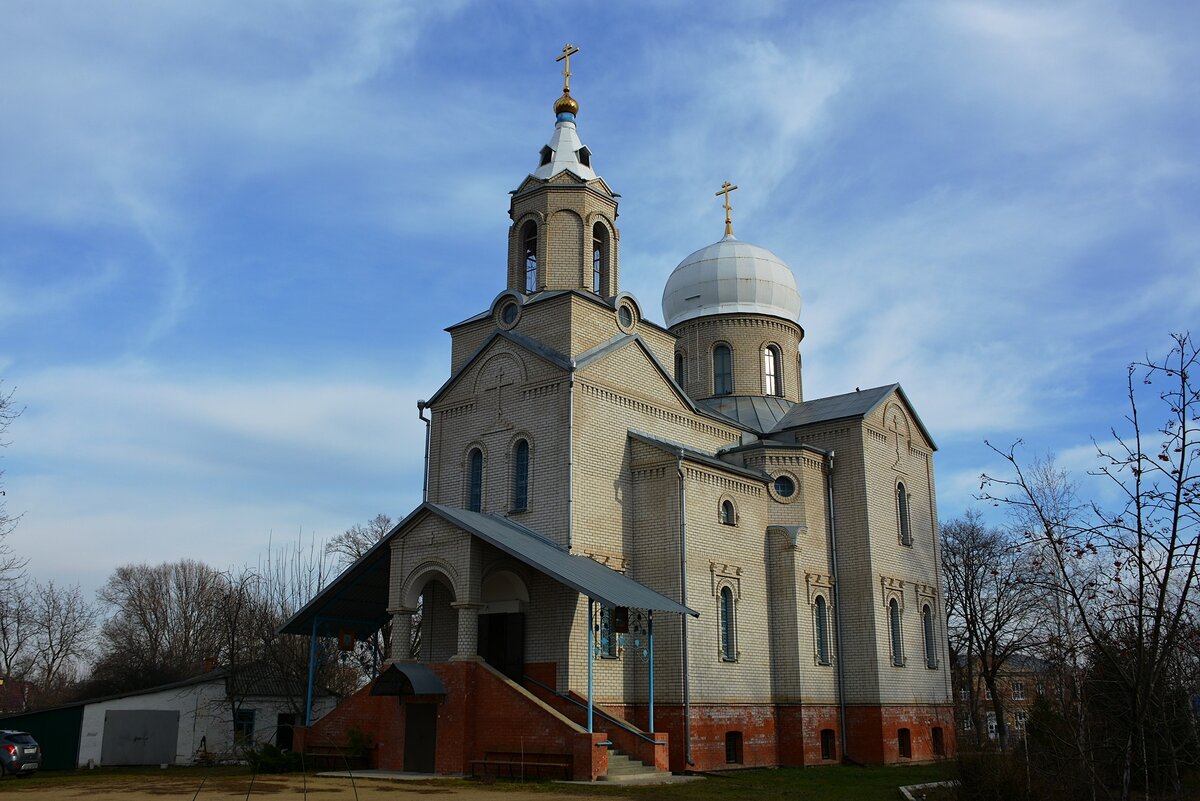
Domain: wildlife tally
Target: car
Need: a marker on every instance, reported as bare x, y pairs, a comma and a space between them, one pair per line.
20, 754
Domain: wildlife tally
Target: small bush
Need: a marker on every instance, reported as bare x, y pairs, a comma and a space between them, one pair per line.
267, 758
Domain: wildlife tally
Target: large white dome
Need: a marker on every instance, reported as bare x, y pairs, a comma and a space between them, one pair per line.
730, 277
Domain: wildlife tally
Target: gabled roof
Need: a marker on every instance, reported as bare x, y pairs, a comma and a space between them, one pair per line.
533, 346
586, 576
621, 340
357, 599
698, 456
851, 405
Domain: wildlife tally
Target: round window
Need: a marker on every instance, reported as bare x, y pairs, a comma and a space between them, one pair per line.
625, 315
508, 314
785, 487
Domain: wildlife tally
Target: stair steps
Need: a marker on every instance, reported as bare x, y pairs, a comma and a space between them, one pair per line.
623, 769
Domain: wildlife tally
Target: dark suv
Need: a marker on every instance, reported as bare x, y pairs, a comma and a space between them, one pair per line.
19, 753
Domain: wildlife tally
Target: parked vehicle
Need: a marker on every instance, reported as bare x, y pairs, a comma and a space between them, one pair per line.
20, 754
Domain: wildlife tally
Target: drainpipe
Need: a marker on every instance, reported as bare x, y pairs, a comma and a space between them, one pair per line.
837, 601
421, 407
570, 449
683, 618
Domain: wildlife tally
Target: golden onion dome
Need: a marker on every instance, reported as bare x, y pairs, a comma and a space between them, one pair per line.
566, 104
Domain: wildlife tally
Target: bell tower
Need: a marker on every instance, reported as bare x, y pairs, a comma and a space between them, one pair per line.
564, 233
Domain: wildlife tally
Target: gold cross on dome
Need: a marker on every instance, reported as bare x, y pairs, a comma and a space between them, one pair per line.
726, 188
567, 51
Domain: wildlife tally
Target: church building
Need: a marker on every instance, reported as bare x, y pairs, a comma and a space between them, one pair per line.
642, 547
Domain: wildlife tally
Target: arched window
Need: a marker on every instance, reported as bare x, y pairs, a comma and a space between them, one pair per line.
927, 628
902, 514
529, 247
520, 476
894, 626
722, 370
821, 612
728, 644
679, 376
599, 251
475, 480
772, 371
728, 513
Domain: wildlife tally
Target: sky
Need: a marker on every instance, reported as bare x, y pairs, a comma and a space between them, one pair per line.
231, 234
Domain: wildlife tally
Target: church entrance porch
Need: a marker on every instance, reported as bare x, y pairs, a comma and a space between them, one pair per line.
455, 586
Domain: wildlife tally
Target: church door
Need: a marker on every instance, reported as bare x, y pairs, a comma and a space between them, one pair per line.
420, 737
502, 642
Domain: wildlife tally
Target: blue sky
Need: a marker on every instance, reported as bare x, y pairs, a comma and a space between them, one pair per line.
231, 233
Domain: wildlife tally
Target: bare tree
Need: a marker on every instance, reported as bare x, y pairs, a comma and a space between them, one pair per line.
351, 545
163, 623
358, 539
12, 567
63, 627
8, 413
988, 609
1129, 575
16, 635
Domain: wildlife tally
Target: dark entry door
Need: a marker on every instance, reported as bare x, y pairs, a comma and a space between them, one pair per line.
502, 643
285, 726
420, 737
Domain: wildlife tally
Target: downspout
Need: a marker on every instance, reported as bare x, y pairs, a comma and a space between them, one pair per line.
683, 619
837, 601
570, 450
421, 407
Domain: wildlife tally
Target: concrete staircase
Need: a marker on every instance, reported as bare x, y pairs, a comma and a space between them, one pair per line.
622, 769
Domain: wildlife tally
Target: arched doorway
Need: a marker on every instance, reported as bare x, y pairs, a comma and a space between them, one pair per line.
502, 622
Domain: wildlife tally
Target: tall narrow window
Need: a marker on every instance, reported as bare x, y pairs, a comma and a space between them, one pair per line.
520, 476
904, 741
772, 376
822, 629
679, 376
599, 238
927, 628
894, 626
902, 513
722, 370
939, 741
728, 513
529, 246
728, 646
475, 480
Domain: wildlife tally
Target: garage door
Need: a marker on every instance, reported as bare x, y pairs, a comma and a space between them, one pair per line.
139, 737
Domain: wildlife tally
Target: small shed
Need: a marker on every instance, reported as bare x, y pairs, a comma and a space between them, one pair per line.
208, 716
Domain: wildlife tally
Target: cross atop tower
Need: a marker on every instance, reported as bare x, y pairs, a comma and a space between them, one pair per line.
726, 188
567, 51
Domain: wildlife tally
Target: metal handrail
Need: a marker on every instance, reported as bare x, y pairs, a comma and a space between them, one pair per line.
618, 723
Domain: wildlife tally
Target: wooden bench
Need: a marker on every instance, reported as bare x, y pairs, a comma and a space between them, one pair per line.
529, 766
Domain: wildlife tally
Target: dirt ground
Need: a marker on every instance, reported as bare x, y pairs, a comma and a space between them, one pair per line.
275, 788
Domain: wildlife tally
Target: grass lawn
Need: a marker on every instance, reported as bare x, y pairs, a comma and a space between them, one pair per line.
833, 783
825, 783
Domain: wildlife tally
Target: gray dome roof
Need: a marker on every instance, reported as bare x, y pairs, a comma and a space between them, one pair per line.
730, 277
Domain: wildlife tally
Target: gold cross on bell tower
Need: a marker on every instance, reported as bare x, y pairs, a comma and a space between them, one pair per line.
726, 188
567, 51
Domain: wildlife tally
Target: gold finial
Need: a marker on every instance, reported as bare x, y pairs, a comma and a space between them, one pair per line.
566, 103
726, 188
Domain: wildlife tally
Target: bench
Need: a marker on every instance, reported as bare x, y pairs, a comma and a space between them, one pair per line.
529, 766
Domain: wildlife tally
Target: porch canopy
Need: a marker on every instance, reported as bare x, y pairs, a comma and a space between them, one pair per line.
357, 600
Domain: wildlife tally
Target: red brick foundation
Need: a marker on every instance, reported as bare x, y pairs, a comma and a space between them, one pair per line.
483, 716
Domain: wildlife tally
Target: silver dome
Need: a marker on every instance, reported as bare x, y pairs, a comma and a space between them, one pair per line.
731, 277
